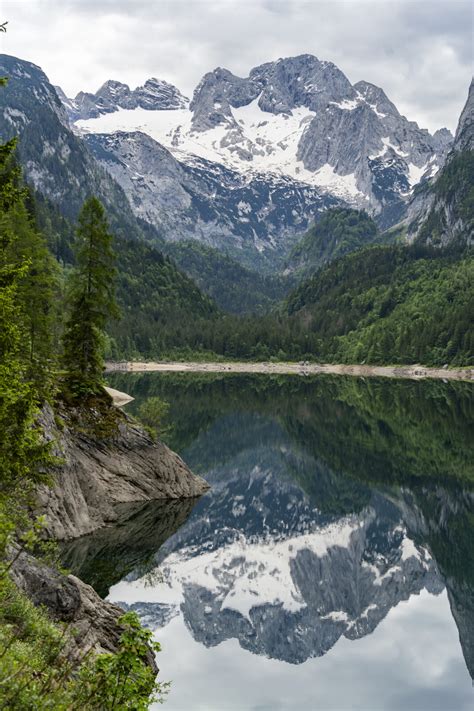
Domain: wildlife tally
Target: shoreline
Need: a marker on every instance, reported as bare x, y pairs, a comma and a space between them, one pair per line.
412, 372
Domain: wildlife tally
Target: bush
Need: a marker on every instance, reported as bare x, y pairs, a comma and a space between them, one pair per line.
152, 414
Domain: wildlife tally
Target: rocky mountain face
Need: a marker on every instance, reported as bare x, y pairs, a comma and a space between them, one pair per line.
440, 212
154, 95
250, 217
464, 139
300, 118
56, 163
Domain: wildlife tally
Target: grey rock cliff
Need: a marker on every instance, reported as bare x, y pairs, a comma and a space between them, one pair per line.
439, 213
203, 200
99, 471
464, 139
155, 94
353, 124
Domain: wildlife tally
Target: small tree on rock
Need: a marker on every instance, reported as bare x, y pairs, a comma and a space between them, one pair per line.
92, 301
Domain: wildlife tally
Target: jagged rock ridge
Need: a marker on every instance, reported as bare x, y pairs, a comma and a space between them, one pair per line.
154, 95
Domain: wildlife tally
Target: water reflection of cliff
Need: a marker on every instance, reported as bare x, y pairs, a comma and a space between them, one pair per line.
332, 500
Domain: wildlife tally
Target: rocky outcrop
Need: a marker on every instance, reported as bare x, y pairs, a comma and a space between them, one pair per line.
442, 214
92, 622
106, 460
154, 95
464, 139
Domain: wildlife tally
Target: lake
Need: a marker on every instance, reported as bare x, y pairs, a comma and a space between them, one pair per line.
331, 564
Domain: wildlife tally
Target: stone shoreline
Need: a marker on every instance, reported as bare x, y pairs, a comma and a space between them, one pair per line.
414, 372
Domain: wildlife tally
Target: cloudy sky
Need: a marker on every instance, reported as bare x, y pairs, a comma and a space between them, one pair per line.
419, 51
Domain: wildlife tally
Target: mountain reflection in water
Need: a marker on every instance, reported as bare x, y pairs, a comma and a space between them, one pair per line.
332, 501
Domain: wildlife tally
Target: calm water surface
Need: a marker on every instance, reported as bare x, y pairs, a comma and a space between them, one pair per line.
331, 564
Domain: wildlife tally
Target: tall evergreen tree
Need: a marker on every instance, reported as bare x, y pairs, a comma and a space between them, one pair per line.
38, 296
20, 445
92, 301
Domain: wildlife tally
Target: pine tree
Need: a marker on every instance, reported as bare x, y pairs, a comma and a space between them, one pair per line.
20, 446
38, 296
92, 301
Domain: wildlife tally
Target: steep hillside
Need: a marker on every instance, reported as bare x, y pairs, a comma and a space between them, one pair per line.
391, 305
254, 218
233, 287
55, 162
338, 232
158, 303
443, 212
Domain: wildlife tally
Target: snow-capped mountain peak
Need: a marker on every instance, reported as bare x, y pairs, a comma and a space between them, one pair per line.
291, 138
299, 117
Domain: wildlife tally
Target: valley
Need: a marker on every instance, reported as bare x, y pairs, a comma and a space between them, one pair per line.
236, 359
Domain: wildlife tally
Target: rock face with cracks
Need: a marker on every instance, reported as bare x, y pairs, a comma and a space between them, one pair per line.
93, 622
104, 462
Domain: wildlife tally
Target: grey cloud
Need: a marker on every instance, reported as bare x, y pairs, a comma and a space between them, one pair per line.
419, 51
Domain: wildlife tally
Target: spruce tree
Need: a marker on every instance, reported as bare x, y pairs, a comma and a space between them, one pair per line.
38, 291
92, 301
21, 448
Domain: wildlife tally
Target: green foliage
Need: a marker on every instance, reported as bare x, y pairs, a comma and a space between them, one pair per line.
36, 672
235, 288
160, 306
153, 412
391, 305
92, 297
21, 449
122, 680
338, 232
37, 294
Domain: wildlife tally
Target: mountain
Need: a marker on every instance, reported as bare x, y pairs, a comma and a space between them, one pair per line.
300, 118
254, 218
238, 168
56, 163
